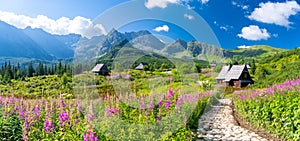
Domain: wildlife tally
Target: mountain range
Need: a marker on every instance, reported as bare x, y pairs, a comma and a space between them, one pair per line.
38, 44
35, 43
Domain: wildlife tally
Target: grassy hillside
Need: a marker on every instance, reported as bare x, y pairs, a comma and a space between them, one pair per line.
257, 51
128, 57
278, 68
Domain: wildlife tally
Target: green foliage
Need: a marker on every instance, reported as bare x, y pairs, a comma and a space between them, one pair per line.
278, 68
258, 52
10, 128
39, 86
276, 110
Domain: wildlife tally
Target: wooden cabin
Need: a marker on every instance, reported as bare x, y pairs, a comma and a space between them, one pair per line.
235, 75
101, 69
140, 66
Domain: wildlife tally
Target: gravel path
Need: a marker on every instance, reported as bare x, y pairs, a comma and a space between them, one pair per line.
219, 124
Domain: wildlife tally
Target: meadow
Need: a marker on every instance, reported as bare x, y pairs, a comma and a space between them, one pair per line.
137, 105
275, 109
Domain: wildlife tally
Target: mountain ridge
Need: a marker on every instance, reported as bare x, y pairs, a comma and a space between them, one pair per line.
39, 44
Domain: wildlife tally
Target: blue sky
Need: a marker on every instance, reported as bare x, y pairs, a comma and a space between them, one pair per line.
234, 22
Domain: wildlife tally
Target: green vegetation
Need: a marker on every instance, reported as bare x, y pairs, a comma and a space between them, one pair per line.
258, 52
277, 69
275, 109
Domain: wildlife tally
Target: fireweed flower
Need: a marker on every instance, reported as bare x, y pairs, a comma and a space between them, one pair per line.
21, 113
63, 117
110, 112
27, 127
37, 111
85, 138
179, 102
159, 103
142, 106
92, 137
170, 93
150, 105
168, 104
48, 126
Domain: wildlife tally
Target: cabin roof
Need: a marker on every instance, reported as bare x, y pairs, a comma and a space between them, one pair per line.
97, 68
235, 72
140, 66
223, 73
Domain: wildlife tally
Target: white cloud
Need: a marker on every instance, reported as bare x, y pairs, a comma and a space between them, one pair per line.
234, 3
162, 28
254, 33
243, 46
61, 26
159, 3
190, 17
224, 28
204, 1
275, 13
244, 7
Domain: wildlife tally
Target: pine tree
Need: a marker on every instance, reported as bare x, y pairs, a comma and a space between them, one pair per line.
30, 70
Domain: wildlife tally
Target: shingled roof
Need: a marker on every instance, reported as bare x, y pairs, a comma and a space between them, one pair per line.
140, 66
223, 73
97, 67
100, 67
235, 72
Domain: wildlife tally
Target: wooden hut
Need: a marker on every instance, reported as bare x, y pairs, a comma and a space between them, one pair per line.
140, 66
101, 69
235, 75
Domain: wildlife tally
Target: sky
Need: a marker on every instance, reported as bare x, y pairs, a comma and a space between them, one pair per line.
229, 24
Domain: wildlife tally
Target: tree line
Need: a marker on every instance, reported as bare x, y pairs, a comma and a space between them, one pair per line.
18, 72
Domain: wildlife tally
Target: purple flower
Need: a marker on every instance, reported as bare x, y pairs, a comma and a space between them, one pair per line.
242, 97
48, 126
63, 117
158, 118
159, 103
27, 127
37, 111
168, 104
127, 76
150, 105
85, 137
170, 93
90, 136
178, 102
110, 112
142, 106
21, 114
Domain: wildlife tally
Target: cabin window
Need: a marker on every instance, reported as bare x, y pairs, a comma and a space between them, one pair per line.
245, 75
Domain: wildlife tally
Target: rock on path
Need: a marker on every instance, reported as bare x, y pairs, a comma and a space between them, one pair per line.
218, 124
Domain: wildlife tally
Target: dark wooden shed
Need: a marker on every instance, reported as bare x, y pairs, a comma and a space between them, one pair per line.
235, 75
101, 69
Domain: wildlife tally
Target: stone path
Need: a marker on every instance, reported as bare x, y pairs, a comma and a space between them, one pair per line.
218, 124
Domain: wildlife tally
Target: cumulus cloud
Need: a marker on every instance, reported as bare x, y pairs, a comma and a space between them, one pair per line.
159, 3
254, 33
275, 13
243, 47
190, 17
61, 26
162, 28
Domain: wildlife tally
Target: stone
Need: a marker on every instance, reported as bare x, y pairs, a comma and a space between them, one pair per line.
219, 124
